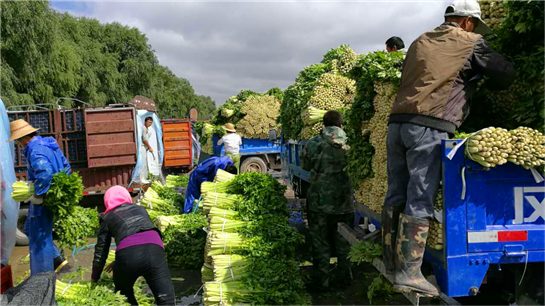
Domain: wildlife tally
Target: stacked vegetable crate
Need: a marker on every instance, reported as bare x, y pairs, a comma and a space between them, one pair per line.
250, 249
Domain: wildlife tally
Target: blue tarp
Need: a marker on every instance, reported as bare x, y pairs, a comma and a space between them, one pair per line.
10, 208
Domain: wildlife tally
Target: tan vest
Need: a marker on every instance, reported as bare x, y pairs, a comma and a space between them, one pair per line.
430, 84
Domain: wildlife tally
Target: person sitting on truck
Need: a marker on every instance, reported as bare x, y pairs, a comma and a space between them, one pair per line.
232, 143
394, 44
139, 248
440, 74
44, 160
205, 172
330, 198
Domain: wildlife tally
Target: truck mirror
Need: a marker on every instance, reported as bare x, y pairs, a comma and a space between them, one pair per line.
272, 135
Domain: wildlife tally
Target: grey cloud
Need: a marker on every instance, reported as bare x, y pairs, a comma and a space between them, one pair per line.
222, 48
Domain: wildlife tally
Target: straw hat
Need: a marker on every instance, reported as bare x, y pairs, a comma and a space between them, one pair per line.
20, 128
229, 127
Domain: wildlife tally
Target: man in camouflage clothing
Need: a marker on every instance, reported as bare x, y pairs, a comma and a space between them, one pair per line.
330, 197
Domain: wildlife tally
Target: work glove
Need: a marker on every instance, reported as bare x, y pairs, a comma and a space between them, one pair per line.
36, 201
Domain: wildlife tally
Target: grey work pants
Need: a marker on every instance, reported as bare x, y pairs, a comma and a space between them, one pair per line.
414, 167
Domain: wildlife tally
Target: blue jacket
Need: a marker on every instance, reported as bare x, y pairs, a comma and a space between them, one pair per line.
45, 159
205, 172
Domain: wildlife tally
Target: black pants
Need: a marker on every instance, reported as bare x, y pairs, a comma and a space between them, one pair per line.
147, 260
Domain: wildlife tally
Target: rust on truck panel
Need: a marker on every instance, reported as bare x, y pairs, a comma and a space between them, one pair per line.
111, 137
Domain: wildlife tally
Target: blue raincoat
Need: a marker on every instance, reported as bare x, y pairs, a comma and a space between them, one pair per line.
205, 172
45, 159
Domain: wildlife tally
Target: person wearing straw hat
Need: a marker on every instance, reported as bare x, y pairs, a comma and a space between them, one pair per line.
440, 74
232, 143
44, 159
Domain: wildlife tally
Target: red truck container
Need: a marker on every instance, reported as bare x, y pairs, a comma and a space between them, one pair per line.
178, 144
99, 142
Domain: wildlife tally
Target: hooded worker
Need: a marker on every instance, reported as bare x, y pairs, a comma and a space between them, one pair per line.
44, 160
205, 172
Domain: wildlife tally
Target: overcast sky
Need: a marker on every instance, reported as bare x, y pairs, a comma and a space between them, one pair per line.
225, 47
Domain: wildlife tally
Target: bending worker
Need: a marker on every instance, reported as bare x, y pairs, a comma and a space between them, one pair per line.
139, 248
329, 198
440, 73
205, 172
44, 159
232, 143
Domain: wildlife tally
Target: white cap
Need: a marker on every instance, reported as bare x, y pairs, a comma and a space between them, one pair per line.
469, 8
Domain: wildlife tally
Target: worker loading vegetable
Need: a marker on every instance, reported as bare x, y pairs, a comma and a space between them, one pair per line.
440, 74
148, 152
394, 44
205, 172
139, 248
232, 143
329, 198
44, 159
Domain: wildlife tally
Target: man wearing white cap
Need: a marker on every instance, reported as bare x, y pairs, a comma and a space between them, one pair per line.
44, 159
440, 74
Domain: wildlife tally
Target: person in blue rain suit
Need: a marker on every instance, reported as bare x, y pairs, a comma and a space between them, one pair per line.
205, 172
44, 159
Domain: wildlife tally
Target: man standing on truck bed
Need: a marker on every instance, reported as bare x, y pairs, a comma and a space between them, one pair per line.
330, 198
44, 159
440, 74
232, 143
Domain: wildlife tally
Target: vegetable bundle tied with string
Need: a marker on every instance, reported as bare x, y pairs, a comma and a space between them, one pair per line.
22, 191
163, 199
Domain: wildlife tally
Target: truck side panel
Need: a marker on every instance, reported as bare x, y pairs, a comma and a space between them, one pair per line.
104, 148
177, 142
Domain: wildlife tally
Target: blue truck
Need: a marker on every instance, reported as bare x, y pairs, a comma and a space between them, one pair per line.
493, 227
256, 155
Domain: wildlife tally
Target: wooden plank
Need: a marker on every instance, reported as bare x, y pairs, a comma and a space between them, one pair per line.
177, 154
101, 139
107, 150
353, 236
171, 138
112, 161
100, 127
111, 115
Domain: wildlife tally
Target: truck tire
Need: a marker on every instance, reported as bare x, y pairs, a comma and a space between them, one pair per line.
253, 164
20, 238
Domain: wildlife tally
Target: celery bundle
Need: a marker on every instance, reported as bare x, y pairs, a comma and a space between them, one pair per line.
216, 293
220, 224
86, 293
312, 115
207, 274
220, 200
223, 176
177, 180
229, 268
163, 199
225, 243
184, 239
221, 187
22, 191
220, 212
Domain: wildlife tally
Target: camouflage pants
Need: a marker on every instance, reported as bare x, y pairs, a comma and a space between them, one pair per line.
323, 230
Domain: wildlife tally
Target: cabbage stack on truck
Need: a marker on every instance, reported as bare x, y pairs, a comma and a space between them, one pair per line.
493, 225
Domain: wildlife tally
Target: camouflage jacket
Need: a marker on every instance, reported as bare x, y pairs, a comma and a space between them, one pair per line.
325, 157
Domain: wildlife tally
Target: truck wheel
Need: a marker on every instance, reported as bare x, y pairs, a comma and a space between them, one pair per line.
20, 238
253, 164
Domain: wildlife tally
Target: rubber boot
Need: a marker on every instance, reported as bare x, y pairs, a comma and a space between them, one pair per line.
59, 262
410, 247
390, 220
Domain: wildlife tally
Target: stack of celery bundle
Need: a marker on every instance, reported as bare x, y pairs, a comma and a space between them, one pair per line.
22, 191
223, 176
250, 249
177, 180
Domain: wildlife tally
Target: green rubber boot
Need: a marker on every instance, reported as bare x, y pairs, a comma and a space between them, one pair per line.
390, 220
410, 247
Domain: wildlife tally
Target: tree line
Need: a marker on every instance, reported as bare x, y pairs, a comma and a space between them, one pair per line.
46, 54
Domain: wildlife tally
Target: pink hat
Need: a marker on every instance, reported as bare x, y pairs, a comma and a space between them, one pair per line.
116, 196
